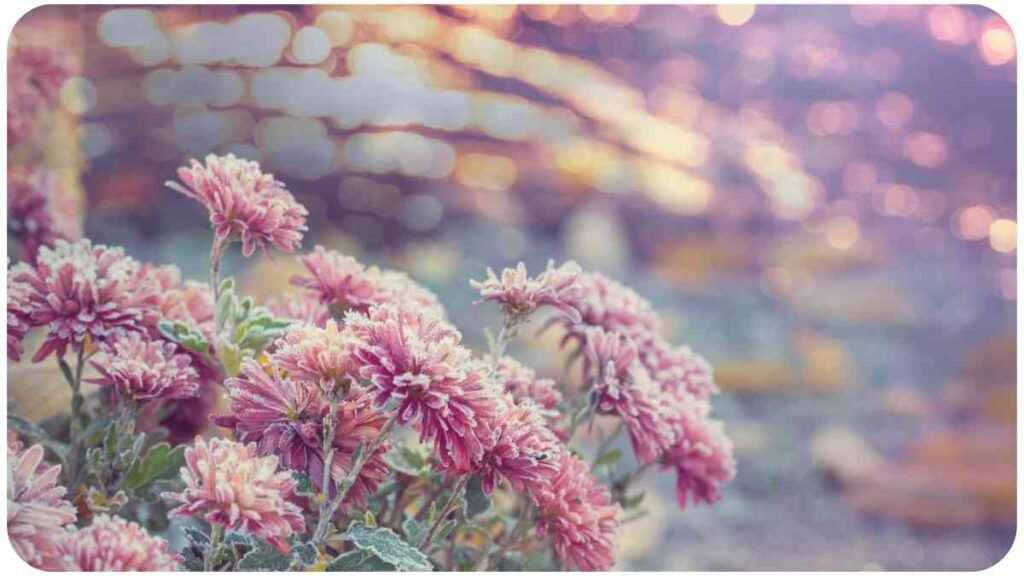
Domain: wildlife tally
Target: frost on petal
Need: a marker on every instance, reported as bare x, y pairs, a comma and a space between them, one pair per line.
141, 369
113, 544
37, 511
519, 295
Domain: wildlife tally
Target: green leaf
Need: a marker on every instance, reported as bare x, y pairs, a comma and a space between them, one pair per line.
414, 530
226, 301
358, 561
608, 458
65, 369
633, 501
32, 430
230, 357
305, 553
188, 337
258, 331
476, 501
406, 461
387, 546
304, 485
263, 558
161, 462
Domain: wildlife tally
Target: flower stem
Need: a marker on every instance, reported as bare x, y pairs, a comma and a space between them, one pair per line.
216, 254
456, 491
509, 539
349, 480
328, 450
77, 402
215, 535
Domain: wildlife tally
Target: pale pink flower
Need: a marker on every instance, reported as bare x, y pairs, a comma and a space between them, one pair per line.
324, 356
519, 295
81, 291
35, 73
188, 302
228, 484
113, 544
244, 203
32, 214
344, 284
415, 360
702, 457
678, 368
607, 304
18, 316
140, 369
525, 451
37, 512
621, 385
577, 514
522, 382
303, 307
285, 417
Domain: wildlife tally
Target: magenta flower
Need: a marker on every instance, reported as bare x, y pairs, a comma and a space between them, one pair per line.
622, 386
229, 485
285, 417
343, 284
607, 304
525, 451
415, 360
113, 544
576, 513
81, 291
323, 356
523, 384
703, 456
678, 368
37, 512
244, 203
304, 307
518, 295
33, 213
139, 369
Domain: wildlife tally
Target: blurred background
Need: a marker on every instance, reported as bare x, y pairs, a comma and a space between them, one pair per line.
820, 199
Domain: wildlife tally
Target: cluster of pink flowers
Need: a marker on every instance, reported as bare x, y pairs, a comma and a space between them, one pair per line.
113, 544
33, 213
244, 203
524, 451
80, 291
519, 295
577, 514
36, 71
229, 485
343, 284
37, 512
139, 369
284, 416
523, 384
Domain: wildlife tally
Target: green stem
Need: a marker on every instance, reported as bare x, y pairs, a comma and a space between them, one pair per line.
489, 562
456, 491
216, 254
607, 442
215, 535
77, 403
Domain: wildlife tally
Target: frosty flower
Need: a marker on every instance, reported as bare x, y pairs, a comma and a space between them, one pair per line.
36, 509
608, 304
343, 284
678, 368
188, 302
140, 369
416, 361
80, 290
303, 307
703, 456
519, 295
285, 417
244, 203
18, 316
35, 74
32, 213
524, 385
623, 386
576, 513
228, 485
525, 452
320, 355
113, 544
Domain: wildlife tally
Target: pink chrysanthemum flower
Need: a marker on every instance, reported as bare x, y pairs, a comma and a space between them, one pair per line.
285, 417
32, 215
36, 72
678, 368
519, 295
81, 291
228, 484
524, 385
324, 356
188, 302
344, 284
576, 513
18, 316
622, 386
525, 451
244, 203
702, 457
139, 369
304, 307
37, 512
416, 361
608, 304
113, 544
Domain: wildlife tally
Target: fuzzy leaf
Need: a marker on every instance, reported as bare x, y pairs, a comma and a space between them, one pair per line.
161, 462
358, 561
304, 485
387, 546
32, 430
476, 501
263, 558
305, 553
414, 530
608, 458
633, 501
185, 335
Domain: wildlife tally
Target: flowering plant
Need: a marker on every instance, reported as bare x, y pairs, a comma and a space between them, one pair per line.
357, 431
